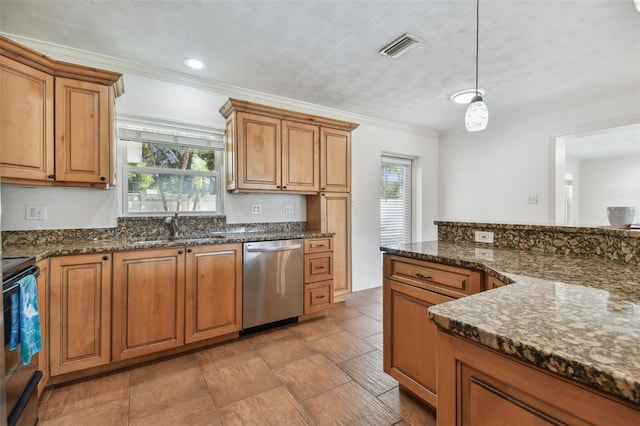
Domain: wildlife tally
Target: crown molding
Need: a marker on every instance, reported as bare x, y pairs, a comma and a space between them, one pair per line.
125, 66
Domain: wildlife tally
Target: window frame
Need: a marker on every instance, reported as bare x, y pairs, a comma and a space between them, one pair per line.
388, 158
173, 133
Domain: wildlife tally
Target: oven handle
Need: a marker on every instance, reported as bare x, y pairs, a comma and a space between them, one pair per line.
31, 270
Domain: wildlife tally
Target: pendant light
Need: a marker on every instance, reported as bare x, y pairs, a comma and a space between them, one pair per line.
477, 115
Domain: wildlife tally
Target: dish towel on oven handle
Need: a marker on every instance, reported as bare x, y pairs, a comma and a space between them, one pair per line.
25, 323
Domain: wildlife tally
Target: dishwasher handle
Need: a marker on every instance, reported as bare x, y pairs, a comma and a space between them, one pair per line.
272, 249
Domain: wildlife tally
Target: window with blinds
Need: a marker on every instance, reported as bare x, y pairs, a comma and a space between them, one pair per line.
169, 167
395, 200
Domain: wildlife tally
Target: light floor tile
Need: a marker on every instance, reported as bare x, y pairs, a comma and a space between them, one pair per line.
340, 347
274, 407
413, 412
310, 376
367, 370
350, 404
239, 381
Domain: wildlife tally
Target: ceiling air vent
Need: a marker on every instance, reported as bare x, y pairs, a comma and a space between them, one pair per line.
401, 46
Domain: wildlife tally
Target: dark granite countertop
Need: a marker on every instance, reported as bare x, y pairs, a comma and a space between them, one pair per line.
575, 316
122, 243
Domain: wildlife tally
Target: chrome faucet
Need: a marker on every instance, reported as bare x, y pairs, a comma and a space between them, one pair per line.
172, 222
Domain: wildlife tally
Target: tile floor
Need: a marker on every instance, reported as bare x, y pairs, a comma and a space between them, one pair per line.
326, 372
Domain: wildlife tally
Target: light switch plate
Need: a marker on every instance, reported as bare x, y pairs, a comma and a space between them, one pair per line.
288, 209
35, 212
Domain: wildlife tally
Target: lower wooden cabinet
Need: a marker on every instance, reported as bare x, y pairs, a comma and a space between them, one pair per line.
410, 287
318, 275
478, 386
148, 301
213, 291
79, 312
409, 338
43, 308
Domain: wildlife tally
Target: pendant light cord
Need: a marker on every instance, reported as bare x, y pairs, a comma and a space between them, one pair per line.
477, 40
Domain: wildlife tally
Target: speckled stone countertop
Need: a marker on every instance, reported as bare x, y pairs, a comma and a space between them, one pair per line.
575, 316
44, 250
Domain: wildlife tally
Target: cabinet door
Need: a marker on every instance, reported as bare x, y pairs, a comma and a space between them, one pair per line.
258, 148
478, 386
43, 308
335, 158
410, 338
148, 302
26, 114
300, 157
80, 312
213, 291
82, 141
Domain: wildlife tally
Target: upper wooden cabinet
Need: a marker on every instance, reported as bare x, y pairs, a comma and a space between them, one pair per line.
55, 120
26, 121
274, 150
82, 136
335, 157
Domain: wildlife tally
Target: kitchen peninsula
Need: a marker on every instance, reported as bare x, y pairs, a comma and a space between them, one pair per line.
560, 344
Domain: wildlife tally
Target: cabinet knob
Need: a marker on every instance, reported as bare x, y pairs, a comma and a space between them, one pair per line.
284, 187
278, 186
51, 176
105, 257
102, 178
180, 252
189, 250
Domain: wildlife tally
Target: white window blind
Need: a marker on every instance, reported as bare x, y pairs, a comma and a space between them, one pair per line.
395, 200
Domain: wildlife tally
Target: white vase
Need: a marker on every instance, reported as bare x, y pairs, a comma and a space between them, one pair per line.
621, 217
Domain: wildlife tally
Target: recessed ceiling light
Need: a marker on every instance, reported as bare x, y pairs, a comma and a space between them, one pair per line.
193, 63
465, 96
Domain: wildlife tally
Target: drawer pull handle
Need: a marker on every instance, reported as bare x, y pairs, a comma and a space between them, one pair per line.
422, 277
320, 297
319, 267
319, 245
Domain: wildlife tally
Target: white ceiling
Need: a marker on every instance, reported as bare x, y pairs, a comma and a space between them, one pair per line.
611, 142
326, 52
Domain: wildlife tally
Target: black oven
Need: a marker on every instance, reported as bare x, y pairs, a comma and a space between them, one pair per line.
21, 380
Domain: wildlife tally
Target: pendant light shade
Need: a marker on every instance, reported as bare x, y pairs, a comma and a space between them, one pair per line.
477, 115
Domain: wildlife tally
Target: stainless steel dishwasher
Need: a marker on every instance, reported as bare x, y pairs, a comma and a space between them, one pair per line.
272, 282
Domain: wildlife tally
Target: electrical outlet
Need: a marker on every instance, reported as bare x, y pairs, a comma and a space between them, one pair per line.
484, 253
35, 212
484, 237
288, 209
256, 208
532, 199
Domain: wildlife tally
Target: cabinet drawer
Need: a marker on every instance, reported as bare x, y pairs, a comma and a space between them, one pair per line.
443, 279
318, 267
318, 296
318, 245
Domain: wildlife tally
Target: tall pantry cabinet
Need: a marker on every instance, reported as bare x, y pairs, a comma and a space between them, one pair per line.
272, 150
